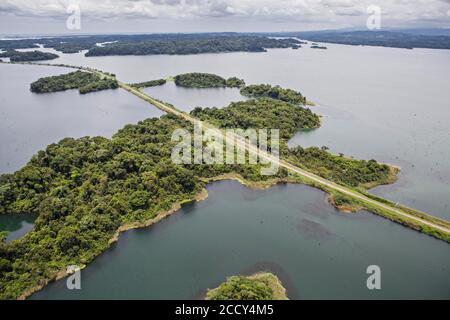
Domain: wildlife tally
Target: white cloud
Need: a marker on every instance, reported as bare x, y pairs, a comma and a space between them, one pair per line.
260, 13
215, 8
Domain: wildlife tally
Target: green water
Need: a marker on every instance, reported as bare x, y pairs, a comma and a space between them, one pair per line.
17, 225
290, 230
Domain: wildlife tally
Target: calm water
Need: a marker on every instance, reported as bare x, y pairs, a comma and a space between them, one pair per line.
17, 225
29, 122
383, 103
290, 229
187, 99
387, 104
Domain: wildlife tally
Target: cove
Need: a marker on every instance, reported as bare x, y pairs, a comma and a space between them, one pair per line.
17, 225
290, 230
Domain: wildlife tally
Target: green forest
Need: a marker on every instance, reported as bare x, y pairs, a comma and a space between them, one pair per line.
274, 92
206, 80
151, 83
85, 82
82, 190
260, 286
261, 113
192, 45
241, 288
289, 118
17, 56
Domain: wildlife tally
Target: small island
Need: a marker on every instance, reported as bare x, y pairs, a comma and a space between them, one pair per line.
147, 84
318, 47
274, 92
259, 286
17, 56
85, 82
206, 80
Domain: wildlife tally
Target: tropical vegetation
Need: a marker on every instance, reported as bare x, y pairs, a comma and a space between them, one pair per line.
18, 56
151, 83
84, 81
261, 286
274, 92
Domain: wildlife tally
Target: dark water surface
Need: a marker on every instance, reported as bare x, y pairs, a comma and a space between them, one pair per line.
388, 104
17, 225
290, 230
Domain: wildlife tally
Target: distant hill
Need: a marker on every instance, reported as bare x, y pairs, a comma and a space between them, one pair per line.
405, 39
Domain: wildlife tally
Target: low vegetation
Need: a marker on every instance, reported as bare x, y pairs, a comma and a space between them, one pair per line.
84, 81
260, 286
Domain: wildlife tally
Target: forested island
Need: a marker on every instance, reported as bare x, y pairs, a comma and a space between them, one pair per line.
206, 80
17, 56
85, 82
143, 44
394, 39
274, 92
151, 83
318, 47
213, 44
84, 190
260, 286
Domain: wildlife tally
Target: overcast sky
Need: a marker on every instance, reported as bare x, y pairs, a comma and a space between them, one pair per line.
150, 16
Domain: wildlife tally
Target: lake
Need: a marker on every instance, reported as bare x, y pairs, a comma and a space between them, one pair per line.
291, 230
382, 103
388, 104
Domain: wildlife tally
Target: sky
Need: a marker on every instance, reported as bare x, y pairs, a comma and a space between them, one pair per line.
157, 16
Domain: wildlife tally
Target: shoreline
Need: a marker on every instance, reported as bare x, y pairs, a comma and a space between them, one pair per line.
202, 195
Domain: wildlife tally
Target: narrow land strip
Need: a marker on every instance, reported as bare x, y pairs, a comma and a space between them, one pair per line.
393, 212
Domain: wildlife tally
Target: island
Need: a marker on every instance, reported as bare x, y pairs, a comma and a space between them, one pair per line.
151, 83
86, 191
380, 38
146, 44
85, 82
274, 92
259, 286
318, 47
206, 80
192, 45
17, 56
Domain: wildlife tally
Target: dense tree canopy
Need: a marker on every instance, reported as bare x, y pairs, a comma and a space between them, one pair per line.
84, 81
192, 45
261, 286
274, 92
206, 80
241, 288
151, 83
262, 113
199, 80
83, 189
17, 56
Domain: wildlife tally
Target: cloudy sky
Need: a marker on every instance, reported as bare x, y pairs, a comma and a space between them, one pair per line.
108, 16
